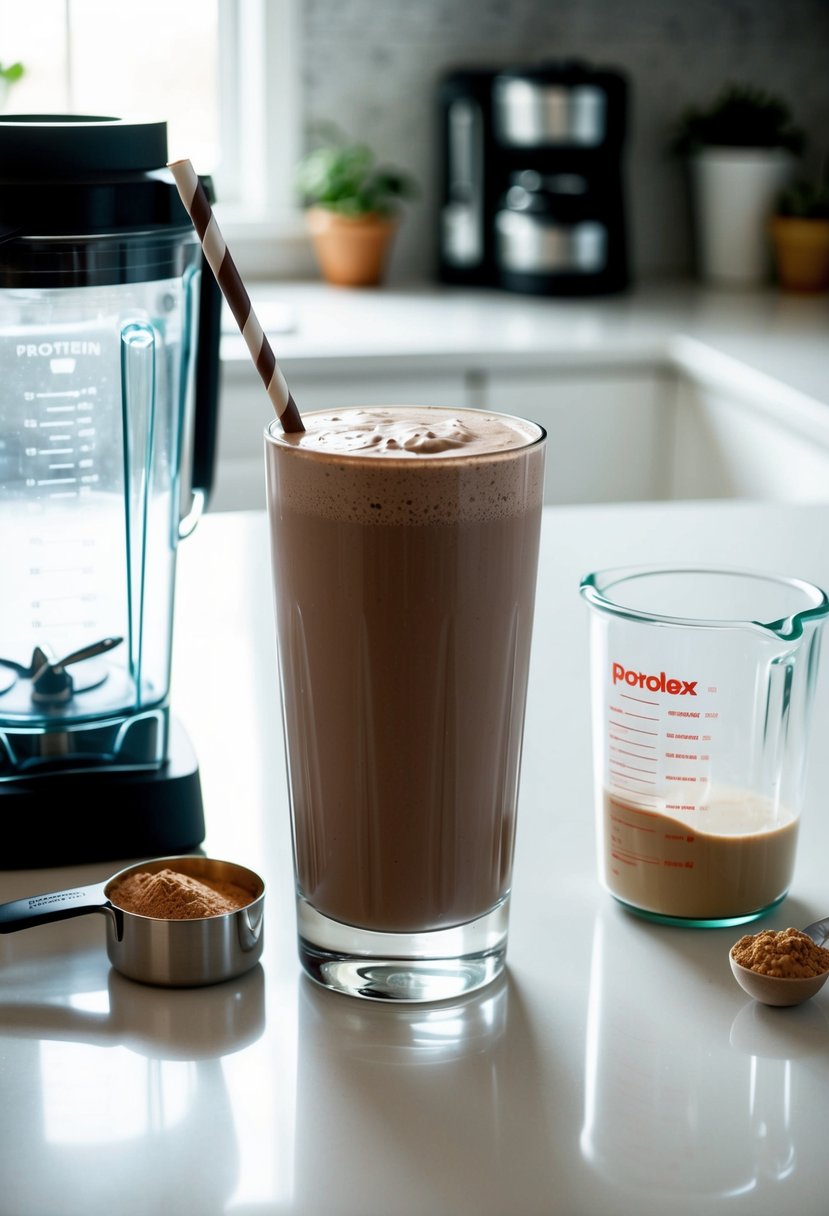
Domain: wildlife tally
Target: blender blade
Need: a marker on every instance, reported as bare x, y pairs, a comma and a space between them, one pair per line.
51, 682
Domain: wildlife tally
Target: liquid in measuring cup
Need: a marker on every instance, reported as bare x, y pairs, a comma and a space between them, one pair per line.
674, 842
734, 851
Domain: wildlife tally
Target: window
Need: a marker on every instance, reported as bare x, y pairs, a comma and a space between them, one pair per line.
222, 73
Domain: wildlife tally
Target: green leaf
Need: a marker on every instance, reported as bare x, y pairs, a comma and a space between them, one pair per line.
342, 175
12, 73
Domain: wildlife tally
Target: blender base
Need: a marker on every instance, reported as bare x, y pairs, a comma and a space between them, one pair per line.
71, 818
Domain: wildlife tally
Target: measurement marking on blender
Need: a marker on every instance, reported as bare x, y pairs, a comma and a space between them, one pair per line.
629, 713
641, 700
55, 481
61, 570
632, 742
87, 542
68, 624
54, 599
63, 392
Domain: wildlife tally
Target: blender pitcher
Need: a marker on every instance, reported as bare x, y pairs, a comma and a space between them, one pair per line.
109, 337
702, 687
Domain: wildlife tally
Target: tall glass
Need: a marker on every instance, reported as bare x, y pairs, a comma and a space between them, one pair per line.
404, 547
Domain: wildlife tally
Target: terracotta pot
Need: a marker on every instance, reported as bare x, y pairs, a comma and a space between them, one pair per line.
352, 251
801, 250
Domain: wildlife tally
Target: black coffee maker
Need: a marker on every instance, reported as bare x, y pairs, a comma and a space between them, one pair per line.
531, 181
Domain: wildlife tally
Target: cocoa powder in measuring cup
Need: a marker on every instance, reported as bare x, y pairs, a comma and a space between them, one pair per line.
169, 895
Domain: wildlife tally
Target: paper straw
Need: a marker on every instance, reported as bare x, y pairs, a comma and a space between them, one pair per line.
218, 257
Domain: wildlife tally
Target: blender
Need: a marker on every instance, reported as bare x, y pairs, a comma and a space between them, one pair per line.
109, 339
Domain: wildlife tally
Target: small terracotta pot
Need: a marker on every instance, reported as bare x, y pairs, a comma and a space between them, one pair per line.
801, 250
352, 251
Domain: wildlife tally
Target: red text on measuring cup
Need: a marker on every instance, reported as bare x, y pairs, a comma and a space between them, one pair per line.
654, 683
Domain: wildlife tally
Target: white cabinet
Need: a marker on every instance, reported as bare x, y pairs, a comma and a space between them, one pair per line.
609, 435
622, 434
728, 447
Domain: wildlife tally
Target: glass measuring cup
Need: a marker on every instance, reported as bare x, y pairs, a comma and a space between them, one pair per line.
702, 681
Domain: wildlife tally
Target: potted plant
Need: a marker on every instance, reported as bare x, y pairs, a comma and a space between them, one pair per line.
800, 236
741, 150
352, 208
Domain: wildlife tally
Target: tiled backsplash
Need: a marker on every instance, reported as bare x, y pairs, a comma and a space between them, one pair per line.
372, 66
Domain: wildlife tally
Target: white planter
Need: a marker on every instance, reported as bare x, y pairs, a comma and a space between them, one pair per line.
734, 191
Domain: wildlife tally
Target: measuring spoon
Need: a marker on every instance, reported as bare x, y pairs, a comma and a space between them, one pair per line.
781, 990
169, 953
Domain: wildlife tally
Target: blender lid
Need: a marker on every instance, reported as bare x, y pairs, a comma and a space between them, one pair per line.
52, 145
88, 200
78, 175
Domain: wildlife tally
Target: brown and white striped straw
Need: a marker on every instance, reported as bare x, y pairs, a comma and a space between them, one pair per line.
218, 257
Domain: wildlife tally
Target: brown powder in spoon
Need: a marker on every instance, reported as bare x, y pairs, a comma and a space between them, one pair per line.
168, 895
786, 953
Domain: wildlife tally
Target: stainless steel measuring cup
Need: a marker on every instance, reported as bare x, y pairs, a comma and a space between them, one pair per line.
169, 953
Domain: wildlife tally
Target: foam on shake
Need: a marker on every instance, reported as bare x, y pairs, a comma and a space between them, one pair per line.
411, 464
421, 431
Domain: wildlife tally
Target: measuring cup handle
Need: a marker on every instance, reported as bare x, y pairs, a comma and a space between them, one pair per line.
53, 905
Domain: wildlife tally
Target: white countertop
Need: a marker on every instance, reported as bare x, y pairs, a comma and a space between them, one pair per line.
616, 1070
782, 339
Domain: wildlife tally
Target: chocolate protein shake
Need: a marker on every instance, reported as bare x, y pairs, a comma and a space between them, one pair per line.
405, 543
